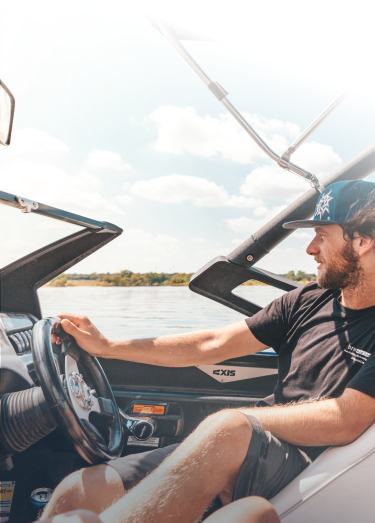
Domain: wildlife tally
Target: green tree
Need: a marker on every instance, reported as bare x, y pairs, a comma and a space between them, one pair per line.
181, 279
59, 281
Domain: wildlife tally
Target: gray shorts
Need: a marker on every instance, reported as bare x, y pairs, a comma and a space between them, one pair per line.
270, 464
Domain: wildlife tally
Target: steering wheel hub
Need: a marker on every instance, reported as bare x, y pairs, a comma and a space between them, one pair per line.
80, 391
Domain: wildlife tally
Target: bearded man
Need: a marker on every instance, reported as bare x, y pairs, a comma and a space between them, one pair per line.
324, 334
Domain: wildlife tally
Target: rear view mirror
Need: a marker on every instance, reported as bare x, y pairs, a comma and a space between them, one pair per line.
7, 104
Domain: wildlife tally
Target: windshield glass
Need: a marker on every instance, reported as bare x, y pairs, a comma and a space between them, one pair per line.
22, 233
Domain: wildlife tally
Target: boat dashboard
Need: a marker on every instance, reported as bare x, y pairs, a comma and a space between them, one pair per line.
17, 366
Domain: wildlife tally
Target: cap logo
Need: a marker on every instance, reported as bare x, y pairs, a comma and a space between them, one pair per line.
323, 205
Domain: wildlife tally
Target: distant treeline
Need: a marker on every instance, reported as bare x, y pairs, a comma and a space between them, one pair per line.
301, 276
148, 279
122, 279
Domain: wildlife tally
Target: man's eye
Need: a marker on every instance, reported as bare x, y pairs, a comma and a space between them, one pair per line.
321, 237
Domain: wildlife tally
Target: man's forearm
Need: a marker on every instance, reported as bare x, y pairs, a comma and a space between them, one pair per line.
181, 350
317, 423
184, 350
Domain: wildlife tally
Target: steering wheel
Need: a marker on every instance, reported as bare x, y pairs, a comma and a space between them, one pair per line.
70, 400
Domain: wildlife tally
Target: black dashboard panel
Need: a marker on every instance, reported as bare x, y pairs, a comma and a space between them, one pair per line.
18, 329
16, 360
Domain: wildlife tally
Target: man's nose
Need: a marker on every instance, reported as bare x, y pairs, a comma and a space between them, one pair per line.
313, 248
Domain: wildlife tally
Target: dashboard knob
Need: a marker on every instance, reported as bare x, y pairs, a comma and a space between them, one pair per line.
143, 430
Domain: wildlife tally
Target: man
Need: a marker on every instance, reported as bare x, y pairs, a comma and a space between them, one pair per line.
324, 334
249, 510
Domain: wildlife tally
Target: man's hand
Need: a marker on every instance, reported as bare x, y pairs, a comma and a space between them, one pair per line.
88, 337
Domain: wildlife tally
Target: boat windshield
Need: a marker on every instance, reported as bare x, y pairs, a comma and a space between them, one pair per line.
22, 233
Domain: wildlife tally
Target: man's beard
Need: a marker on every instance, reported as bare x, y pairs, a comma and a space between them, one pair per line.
341, 272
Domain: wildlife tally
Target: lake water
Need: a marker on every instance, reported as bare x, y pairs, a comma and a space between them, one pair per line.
142, 312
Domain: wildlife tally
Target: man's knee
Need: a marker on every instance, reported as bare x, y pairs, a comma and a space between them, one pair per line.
77, 516
232, 433
94, 488
68, 493
230, 425
246, 510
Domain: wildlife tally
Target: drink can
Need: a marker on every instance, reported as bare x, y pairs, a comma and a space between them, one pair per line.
37, 501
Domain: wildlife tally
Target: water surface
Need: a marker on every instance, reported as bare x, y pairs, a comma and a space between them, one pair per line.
142, 312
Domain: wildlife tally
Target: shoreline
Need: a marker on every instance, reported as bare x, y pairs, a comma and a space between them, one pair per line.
151, 279
90, 283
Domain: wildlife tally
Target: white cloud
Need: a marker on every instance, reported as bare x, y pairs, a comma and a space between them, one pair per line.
57, 226
303, 235
267, 213
54, 186
250, 225
241, 201
197, 240
30, 169
317, 158
124, 199
106, 160
34, 141
177, 188
86, 180
244, 224
182, 130
13, 249
271, 182
237, 241
138, 237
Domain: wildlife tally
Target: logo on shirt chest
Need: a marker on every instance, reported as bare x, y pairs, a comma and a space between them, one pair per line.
359, 355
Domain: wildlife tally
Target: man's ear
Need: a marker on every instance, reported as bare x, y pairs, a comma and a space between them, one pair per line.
365, 245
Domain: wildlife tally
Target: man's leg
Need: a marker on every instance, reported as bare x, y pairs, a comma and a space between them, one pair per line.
246, 510
206, 464
78, 516
98, 487
95, 488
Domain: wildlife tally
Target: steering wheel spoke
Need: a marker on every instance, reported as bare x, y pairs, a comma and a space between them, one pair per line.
80, 395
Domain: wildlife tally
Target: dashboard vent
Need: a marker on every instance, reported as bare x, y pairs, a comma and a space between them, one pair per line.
21, 341
18, 328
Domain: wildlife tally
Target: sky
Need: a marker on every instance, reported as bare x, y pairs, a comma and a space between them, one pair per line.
111, 122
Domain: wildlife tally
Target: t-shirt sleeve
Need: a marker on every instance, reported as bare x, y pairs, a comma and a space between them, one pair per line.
364, 380
270, 325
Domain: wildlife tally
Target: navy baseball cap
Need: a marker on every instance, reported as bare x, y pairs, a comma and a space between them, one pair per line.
337, 204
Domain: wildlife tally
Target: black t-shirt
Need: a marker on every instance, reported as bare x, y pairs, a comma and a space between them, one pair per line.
323, 347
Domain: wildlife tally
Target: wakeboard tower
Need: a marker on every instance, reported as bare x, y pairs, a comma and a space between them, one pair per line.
217, 279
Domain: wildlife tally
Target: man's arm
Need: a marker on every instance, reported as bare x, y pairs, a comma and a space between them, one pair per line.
180, 350
318, 423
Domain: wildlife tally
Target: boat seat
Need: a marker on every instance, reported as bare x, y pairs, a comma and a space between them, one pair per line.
337, 487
